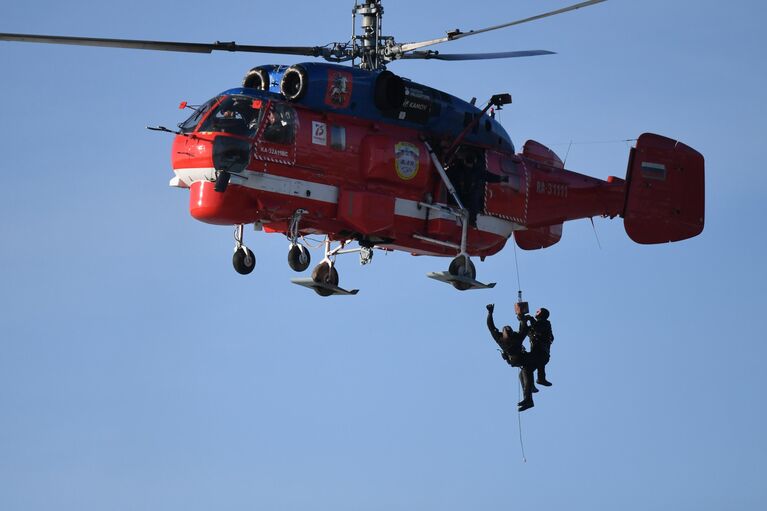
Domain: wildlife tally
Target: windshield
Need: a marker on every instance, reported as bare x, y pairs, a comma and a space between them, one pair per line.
238, 115
191, 123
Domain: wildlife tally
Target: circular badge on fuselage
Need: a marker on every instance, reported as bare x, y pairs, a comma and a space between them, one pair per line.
406, 160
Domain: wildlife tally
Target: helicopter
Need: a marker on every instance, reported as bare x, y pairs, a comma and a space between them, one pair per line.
361, 155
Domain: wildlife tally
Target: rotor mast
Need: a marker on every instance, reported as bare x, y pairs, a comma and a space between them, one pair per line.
370, 45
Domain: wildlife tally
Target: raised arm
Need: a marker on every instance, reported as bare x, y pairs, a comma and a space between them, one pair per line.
490, 323
523, 328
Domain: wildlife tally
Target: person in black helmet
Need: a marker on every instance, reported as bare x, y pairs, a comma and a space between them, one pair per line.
541, 338
514, 353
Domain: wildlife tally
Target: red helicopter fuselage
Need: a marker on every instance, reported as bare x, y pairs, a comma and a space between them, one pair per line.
369, 162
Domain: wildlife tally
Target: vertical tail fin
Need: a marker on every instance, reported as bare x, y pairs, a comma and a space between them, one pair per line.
665, 191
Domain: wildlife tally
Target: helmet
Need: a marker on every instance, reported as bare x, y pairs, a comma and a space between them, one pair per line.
542, 313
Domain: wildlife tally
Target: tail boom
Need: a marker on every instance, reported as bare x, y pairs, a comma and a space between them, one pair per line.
661, 200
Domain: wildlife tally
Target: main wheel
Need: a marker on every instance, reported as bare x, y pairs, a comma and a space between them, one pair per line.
325, 274
243, 261
462, 266
299, 258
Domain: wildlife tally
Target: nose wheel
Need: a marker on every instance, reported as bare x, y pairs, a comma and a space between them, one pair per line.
298, 255
243, 260
299, 258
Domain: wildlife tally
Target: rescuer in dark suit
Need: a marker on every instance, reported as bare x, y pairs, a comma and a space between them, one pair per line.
474, 179
514, 354
541, 338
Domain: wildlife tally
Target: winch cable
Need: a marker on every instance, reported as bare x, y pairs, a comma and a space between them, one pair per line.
516, 265
519, 389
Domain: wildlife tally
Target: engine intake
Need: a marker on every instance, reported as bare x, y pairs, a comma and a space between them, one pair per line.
294, 83
256, 78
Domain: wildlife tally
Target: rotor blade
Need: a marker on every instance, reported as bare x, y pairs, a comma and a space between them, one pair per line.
138, 44
452, 36
475, 56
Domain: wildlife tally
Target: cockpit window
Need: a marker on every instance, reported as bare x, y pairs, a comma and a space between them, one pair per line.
238, 115
190, 124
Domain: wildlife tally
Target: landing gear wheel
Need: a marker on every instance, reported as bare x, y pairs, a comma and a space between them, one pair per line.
243, 260
299, 258
325, 274
462, 266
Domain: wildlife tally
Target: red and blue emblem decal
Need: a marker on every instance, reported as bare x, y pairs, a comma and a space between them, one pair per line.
339, 91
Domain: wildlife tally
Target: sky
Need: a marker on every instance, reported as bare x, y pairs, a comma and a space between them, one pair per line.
139, 371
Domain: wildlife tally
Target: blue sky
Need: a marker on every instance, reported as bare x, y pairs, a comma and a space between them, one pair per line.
138, 371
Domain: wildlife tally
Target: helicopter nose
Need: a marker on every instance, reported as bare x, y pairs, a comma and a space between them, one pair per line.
192, 159
192, 151
206, 156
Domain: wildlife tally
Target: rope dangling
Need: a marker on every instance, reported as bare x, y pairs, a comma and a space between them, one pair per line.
519, 424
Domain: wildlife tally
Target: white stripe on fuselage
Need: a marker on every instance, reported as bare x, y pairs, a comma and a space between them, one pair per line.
287, 186
329, 194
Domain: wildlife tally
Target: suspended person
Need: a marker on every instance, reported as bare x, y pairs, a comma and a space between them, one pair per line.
514, 353
541, 337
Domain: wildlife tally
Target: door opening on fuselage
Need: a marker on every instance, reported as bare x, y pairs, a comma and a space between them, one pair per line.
468, 173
